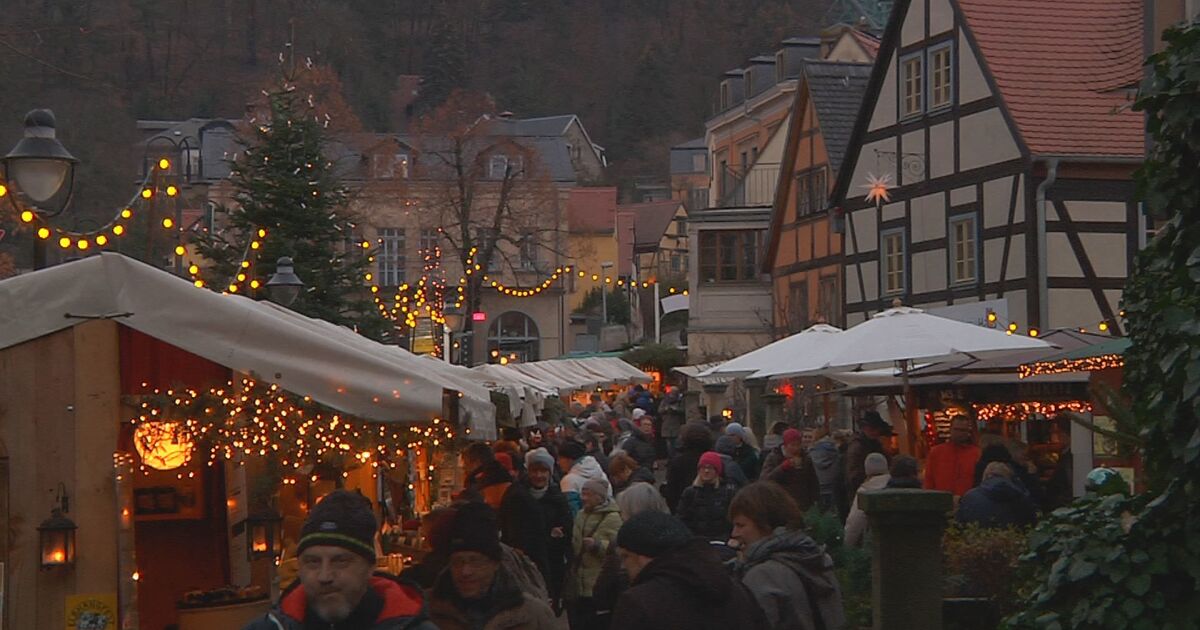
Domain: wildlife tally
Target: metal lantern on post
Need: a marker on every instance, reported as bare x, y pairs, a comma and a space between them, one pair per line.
453, 321
40, 165
56, 536
284, 285
263, 534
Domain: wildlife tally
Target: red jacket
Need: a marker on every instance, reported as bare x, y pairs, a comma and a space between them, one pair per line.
951, 468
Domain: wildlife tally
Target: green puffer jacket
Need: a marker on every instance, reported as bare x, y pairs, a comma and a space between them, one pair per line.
602, 525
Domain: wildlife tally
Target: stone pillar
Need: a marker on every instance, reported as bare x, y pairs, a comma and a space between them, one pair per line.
773, 411
714, 398
755, 406
906, 527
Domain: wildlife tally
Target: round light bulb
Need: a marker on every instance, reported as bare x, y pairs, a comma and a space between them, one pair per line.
43, 233
147, 193
172, 191
126, 213
64, 242
168, 222
164, 164
179, 250
83, 243
27, 216
102, 240
194, 269
118, 229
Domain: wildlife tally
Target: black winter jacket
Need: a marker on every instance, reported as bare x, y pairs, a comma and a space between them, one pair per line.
705, 510
640, 448
997, 502
687, 588
556, 512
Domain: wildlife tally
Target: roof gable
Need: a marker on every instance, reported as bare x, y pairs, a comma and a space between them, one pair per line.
836, 90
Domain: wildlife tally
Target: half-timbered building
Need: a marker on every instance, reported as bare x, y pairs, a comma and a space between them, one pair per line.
1005, 135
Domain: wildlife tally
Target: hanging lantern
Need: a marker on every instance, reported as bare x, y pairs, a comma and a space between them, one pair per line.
163, 445
57, 536
263, 534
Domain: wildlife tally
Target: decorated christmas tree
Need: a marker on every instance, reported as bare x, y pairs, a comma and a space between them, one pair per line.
288, 201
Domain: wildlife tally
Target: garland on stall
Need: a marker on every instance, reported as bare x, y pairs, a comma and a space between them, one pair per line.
253, 418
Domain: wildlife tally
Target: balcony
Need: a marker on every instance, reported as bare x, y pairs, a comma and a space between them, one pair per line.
753, 187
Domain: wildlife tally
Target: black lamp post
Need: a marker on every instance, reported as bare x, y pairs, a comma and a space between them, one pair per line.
284, 285
40, 167
57, 536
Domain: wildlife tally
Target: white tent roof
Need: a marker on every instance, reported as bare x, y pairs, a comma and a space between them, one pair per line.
563, 376
809, 344
332, 364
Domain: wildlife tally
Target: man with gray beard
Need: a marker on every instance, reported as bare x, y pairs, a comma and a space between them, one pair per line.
337, 588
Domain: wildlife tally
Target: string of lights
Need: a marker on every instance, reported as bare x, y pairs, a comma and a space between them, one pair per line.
1089, 364
115, 227
253, 418
1023, 410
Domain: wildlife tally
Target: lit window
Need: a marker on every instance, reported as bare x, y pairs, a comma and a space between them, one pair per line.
911, 82
962, 249
391, 257
892, 261
939, 77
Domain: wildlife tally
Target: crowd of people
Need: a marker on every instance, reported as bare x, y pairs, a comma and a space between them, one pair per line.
570, 525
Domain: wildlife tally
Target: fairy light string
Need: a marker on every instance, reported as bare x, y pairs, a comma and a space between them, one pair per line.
249, 418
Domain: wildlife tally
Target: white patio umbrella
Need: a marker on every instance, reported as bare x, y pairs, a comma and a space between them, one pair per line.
806, 350
901, 335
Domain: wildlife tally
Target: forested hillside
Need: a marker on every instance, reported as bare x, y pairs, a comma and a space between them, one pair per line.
641, 73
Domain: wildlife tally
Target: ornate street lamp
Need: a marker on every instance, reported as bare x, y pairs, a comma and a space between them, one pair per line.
284, 285
57, 535
41, 166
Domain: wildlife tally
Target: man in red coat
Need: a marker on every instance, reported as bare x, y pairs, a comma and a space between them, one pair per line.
951, 466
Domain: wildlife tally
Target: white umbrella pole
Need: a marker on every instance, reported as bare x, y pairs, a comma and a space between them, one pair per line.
908, 444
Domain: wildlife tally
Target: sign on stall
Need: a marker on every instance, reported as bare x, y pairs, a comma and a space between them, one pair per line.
92, 612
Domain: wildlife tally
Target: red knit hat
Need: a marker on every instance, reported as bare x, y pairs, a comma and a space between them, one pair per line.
711, 458
792, 435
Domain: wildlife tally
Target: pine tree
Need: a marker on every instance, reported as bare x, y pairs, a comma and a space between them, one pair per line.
284, 184
445, 66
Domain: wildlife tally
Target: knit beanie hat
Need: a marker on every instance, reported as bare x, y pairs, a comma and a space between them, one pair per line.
711, 458
541, 457
571, 450
875, 464
726, 445
598, 486
792, 435
341, 519
735, 428
475, 529
652, 534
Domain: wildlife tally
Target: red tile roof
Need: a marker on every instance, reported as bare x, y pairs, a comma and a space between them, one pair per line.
1064, 69
869, 42
592, 210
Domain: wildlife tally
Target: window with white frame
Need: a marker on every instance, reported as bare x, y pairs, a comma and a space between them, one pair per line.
940, 77
912, 84
390, 258
892, 261
963, 248
429, 240
529, 250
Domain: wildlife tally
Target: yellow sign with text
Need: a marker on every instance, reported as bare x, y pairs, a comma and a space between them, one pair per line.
92, 612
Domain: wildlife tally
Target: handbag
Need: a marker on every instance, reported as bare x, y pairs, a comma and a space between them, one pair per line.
571, 592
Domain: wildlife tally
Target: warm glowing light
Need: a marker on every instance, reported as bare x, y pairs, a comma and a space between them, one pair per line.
118, 229
164, 164
102, 240
147, 193
179, 250
172, 191
878, 189
126, 213
59, 555
3, 190
27, 216
1089, 364
233, 288
64, 242
1033, 332
168, 222
83, 244
1022, 410
163, 445
1103, 326
991, 317
1013, 327
245, 264
194, 269
255, 245
254, 284
199, 284
43, 233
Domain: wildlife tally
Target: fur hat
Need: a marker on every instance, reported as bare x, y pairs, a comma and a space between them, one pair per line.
711, 458
652, 534
341, 519
541, 457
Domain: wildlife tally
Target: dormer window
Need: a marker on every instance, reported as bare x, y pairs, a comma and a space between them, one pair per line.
725, 95
385, 166
502, 166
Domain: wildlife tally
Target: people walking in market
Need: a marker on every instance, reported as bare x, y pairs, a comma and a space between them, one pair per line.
831, 475
745, 454
694, 441
998, 502
336, 586
672, 421
595, 529
904, 473
704, 506
640, 442
623, 470
788, 573
556, 518
796, 472
726, 446
871, 428
612, 581
578, 468
519, 515
477, 592
877, 479
951, 466
677, 581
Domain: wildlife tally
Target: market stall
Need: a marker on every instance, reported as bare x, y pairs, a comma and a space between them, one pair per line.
185, 433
